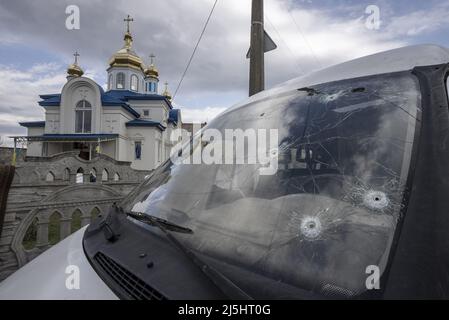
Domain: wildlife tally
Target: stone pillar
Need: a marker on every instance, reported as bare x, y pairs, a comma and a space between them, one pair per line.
85, 219
65, 227
42, 233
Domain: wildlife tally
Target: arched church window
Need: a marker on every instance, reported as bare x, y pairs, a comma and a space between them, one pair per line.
83, 117
120, 80
116, 177
134, 83
110, 82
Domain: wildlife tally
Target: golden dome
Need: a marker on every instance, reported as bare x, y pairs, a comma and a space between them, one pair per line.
126, 57
74, 69
151, 71
167, 93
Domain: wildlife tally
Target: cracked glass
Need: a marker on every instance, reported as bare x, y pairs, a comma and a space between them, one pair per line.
330, 211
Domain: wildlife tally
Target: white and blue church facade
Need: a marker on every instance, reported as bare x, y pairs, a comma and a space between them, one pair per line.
130, 121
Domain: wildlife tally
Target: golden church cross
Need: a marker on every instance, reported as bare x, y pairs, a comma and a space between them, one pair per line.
76, 55
128, 20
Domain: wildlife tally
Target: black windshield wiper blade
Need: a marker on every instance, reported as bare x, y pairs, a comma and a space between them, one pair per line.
225, 285
154, 221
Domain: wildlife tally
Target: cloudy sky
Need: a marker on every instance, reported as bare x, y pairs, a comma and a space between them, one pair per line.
36, 47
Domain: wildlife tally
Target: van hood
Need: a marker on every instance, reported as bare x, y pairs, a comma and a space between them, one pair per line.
45, 277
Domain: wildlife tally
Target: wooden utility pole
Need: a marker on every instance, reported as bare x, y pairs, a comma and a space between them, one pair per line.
256, 63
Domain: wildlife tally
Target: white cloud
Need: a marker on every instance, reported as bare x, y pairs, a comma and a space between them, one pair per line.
419, 22
44, 68
200, 115
20, 90
19, 94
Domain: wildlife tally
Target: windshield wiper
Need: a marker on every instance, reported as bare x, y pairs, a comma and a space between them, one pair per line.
155, 221
219, 280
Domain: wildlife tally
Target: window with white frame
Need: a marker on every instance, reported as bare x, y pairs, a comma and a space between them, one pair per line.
134, 83
120, 80
110, 82
83, 117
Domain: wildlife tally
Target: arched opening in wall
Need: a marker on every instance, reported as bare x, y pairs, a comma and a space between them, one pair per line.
66, 175
54, 228
94, 213
80, 175
93, 175
116, 177
105, 175
30, 238
50, 177
75, 224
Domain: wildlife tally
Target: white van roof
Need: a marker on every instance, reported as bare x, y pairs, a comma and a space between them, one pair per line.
401, 59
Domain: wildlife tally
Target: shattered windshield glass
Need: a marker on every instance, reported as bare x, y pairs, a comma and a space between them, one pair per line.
329, 212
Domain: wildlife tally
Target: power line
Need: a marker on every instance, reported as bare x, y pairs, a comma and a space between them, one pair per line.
304, 38
286, 45
194, 50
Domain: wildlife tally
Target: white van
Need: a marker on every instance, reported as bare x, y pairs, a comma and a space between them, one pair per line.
357, 208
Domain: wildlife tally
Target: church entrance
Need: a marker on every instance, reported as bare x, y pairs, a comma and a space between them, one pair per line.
84, 150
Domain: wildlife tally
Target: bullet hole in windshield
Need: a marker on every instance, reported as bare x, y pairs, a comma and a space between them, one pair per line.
311, 228
377, 200
384, 198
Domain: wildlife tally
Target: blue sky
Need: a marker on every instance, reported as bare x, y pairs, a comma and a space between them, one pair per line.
35, 46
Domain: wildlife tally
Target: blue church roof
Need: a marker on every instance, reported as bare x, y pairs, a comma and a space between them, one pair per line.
33, 124
145, 123
110, 98
50, 100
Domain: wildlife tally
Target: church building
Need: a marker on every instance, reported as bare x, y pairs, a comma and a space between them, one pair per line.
130, 121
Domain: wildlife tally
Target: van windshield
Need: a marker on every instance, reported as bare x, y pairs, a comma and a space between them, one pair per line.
325, 220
